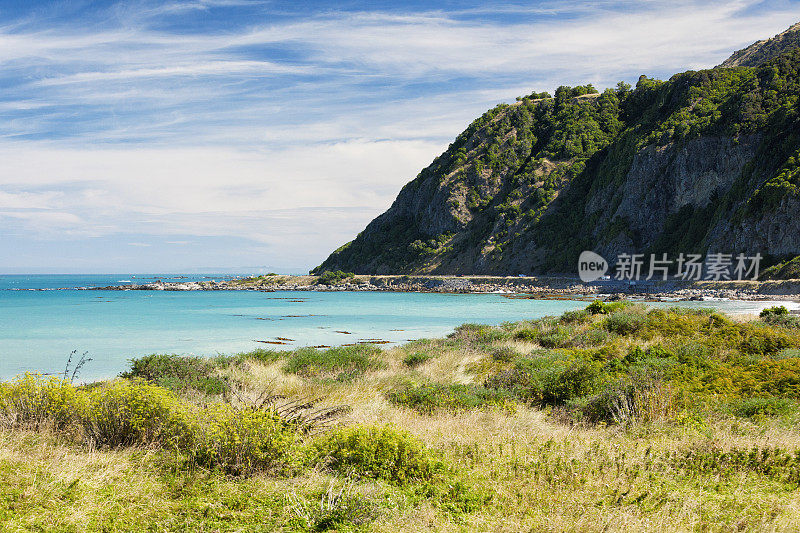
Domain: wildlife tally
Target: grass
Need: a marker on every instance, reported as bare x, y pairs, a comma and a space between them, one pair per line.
686, 421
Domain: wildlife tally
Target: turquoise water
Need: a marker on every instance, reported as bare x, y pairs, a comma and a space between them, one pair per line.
38, 329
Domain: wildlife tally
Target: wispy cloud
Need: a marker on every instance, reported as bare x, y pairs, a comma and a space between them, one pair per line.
288, 124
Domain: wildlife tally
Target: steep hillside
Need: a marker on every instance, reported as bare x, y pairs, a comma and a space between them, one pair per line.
707, 161
760, 52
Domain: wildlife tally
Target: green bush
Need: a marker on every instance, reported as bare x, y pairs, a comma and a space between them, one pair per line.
599, 307
761, 340
415, 359
779, 316
548, 380
238, 441
769, 406
379, 453
431, 397
624, 322
576, 317
641, 396
778, 310
340, 362
556, 338
178, 373
334, 277
504, 354
527, 335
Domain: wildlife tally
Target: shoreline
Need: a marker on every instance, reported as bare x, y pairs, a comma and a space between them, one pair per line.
535, 287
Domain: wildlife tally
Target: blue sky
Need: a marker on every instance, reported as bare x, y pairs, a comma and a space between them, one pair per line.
145, 136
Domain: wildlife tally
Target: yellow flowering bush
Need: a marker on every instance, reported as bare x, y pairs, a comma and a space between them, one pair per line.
33, 400
126, 412
244, 441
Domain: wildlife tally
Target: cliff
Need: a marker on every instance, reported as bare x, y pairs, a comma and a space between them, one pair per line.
708, 161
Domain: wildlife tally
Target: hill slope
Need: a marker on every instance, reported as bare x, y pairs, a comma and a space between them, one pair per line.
707, 161
760, 52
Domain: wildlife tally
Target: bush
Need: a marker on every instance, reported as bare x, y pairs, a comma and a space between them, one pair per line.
34, 401
760, 340
778, 310
764, 406
575, 317
238, 441
547, 380
178, 373
332, 278
779, 316
527, 335
599, 307
379, 453
242, 442
639, 397
624, 322
432, 397
340, 362
504, 354
479, 333
415, 359
123, 413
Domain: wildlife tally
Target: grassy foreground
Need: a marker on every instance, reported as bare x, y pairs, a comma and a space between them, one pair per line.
618, 417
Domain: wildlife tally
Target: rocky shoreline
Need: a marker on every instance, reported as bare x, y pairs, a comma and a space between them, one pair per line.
517, 287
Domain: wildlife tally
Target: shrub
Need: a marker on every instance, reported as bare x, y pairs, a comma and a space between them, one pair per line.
415, 359
432, 397
599, 307
479, 333
239, 441
527, 335
639, 397
126, 412
244, 441
624, 322
548, 380
344, 361
759, 340
379, 453
779, 316
591, 337
504, 354
556, 338
178, 373
264, 355
333, 510
778, 310
35, 401
769, 406
575, 317
333, 277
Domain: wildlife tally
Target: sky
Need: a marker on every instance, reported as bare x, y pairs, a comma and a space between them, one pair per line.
251, 136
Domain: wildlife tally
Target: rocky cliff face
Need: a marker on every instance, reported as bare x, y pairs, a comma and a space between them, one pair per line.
707, 161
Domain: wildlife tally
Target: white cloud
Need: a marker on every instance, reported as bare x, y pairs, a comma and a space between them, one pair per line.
209, 135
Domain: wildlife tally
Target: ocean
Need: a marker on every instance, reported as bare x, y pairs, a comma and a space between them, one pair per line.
39, 328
